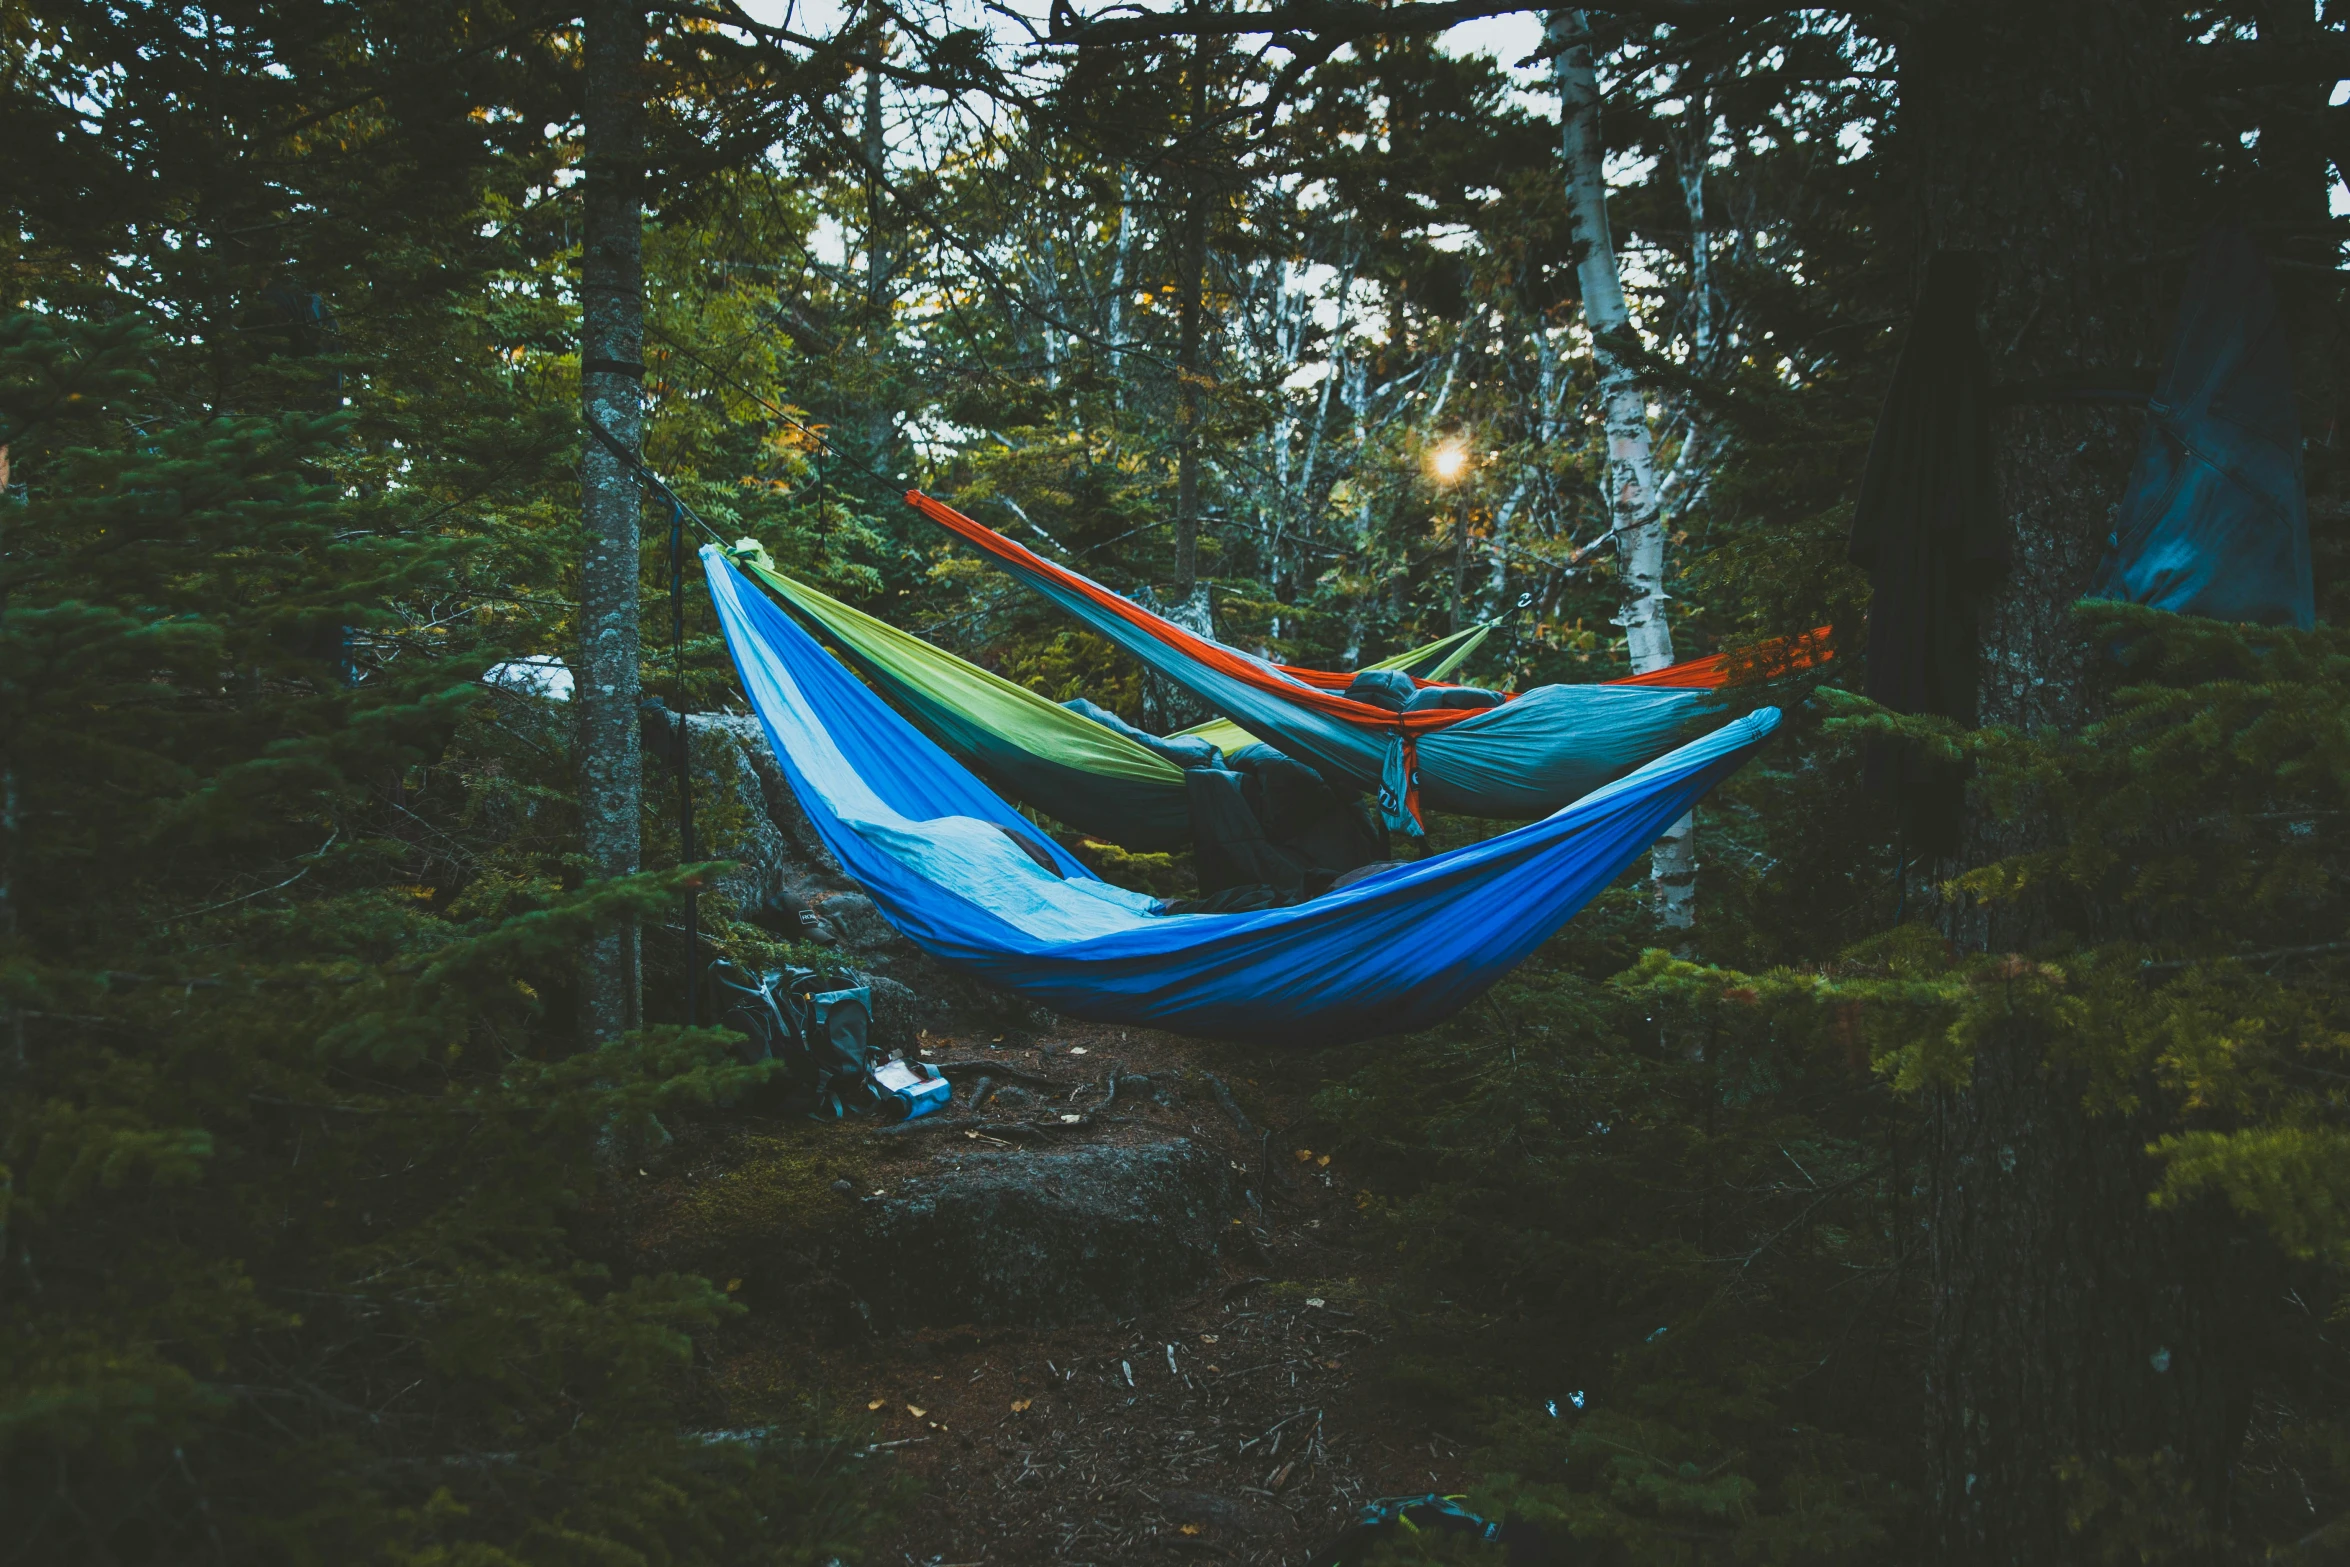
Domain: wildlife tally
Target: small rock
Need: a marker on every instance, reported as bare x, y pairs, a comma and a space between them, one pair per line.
858, 922
845, 1188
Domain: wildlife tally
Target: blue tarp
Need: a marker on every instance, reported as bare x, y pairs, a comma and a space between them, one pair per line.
2215, 521
935, 849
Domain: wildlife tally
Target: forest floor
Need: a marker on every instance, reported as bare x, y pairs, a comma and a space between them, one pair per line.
1241, 1423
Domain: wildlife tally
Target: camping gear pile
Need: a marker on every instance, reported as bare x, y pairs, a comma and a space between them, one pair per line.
818, 1023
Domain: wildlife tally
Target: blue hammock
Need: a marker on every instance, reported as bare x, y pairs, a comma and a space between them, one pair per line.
964, 875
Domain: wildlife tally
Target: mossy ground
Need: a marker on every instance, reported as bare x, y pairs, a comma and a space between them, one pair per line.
744, 1191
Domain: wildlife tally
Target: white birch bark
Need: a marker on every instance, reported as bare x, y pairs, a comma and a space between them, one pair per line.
1117, 332
1633, 514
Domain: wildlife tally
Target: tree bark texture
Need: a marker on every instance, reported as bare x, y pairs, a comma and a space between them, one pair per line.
1460, 563
2070, 1324
880, 264
1166, 706
1118, 289
1194, 262
1633, 513
612, 336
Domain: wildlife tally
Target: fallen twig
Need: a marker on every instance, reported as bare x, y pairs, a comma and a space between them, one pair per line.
1248, 1128
1004, 1070
2269, 955
942, 1123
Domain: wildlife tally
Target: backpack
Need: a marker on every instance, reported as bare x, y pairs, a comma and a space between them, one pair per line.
816, 1021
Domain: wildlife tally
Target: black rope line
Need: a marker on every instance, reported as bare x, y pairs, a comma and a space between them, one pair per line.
653, 481
685, 768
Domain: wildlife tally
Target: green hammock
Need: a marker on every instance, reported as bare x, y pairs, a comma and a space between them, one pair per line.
1033, 749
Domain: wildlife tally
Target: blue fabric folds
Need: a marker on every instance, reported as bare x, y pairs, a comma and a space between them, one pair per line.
1398, 950
2215, 521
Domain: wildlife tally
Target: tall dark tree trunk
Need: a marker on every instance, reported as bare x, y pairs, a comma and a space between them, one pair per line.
612, 339
12, 1048
1193, 282
2072, 1328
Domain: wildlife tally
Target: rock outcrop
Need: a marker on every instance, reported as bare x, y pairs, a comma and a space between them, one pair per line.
847, 1232
1070, 1235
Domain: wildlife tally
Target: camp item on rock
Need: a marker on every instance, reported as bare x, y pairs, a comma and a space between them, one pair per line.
914, 1086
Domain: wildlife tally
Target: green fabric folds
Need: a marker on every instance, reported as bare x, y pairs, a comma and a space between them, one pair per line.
1033, 749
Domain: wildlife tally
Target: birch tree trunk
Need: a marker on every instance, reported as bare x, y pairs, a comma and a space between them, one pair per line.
1118, 285
1633, 513
611, 357
1193, 259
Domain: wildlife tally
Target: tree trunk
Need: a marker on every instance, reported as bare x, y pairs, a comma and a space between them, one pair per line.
1118, 285
1166, 706
881, 424
1460, 562
1194, 262
12, 1045
1633, 514
1693, 156
2072, 1328
612, 336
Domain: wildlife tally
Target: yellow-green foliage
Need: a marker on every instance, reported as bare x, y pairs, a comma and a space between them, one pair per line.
2296, 1179
1160, 875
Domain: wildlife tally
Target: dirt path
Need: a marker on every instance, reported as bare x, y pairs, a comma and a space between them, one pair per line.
1241, 1423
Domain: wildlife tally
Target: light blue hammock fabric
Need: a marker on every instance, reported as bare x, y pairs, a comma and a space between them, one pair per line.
934, 848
